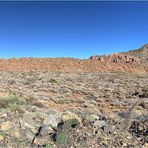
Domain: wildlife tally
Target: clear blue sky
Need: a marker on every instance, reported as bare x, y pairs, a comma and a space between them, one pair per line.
71, 29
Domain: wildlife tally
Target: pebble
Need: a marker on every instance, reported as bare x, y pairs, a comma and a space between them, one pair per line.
6, 126
100, 123
1, 138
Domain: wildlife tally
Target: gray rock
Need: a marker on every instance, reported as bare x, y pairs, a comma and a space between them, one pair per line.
99, 100
41, 97
11, 82
109, 128
28, 134
88, 105
125, 115
144, 103
45, 129
27, 121
52, 120
139, 115
100, 123
80, 101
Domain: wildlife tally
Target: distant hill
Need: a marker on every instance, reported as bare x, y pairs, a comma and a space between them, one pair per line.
138, 56
141, 53
133, 61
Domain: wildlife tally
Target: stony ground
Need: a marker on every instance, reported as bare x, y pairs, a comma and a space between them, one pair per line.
59, 110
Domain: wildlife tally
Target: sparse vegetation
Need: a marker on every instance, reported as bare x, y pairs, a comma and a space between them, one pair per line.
8, 101
48, 146
25, 109
145, 92
71, 123
53, 81
61, 138
70, 119
13, 102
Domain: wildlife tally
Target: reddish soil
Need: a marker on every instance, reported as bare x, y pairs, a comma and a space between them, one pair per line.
111, 63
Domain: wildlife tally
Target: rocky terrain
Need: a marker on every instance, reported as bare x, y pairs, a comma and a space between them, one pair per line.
70, 103
132, 62
141, 53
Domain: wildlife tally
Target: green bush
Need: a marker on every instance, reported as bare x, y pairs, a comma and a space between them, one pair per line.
61, 138
145, 92
52, 81
12, 102
48, 146
71, 123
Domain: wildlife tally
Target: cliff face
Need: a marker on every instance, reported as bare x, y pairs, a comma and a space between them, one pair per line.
134, 61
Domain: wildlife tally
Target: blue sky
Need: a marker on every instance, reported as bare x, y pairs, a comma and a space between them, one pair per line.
71, 29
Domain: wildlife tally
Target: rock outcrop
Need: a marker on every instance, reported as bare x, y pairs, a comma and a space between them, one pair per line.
117, 58
141, 53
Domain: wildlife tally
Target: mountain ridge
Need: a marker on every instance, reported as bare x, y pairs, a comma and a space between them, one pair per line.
133, 61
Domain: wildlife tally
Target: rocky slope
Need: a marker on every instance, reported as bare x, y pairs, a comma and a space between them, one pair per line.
141, 53
132, 61
77, 110
71, 103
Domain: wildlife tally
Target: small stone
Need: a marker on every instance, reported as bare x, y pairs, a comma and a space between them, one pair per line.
6, 126
43, 97
52, 120
100, 123
139, 108
88, 105
109, 128
40, 141
4, 115
128, 137
28, 134
80, 101
16, 133
46, 129
11, 82
145, 145
99, 100
136, 114
1, 138
27, 121
144, 103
